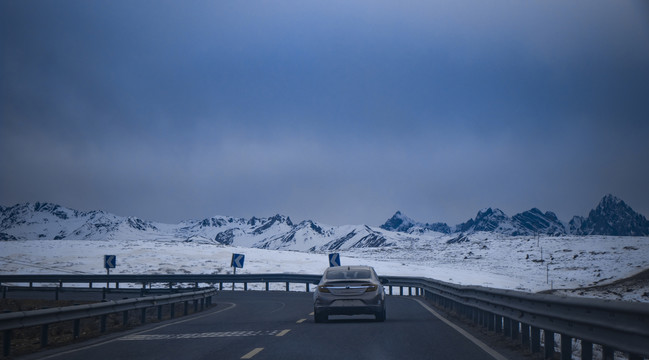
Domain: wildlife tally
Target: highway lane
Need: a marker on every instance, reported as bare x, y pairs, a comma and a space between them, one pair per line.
279, 325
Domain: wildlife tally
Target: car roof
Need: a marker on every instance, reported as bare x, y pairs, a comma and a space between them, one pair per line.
349, 268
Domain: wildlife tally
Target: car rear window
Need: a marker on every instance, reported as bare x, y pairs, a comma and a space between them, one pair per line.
349, 274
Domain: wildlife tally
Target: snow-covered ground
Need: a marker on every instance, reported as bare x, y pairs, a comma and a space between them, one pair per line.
487, 259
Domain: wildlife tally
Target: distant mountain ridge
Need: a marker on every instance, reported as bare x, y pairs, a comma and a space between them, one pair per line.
53, 222
612, 216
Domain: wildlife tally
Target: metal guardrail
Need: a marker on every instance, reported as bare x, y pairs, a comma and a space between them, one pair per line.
163, 279
45, 317
615, 325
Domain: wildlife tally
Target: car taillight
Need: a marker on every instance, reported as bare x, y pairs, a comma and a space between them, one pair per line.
371, 288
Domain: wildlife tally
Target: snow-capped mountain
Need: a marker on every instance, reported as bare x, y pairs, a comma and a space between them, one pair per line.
490, 220
402, 223
54, 222
612, 216
534, 221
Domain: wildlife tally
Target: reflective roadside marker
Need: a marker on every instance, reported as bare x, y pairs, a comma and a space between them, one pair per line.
334, 259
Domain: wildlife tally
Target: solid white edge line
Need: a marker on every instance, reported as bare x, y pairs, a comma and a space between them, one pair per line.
180, 320
480, 344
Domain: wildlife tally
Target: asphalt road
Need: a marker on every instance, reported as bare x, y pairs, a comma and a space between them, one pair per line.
279, 325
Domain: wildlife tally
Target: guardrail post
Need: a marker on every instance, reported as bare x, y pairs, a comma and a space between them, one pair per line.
586, 350
525, 338
143, 316
90, 285
4, 292
56, 293
195, 305
608, 353
490, 320
536, 340
125, 318
566, 347
548, 344
172, 310
76, 328
514, 329
103, 294
159, 312
186, 308
507, 327
202, 304
307, 287
409, 291
390, 289
44, 332
287, 286
245, 286
6, 343
401, 290
499, 324
267, 286
220, 286
102, 323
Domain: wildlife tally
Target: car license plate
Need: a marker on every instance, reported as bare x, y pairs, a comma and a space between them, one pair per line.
348, 303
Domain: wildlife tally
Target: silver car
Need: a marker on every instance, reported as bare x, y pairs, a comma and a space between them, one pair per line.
349, 290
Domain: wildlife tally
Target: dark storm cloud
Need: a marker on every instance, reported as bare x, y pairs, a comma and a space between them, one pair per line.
342, 113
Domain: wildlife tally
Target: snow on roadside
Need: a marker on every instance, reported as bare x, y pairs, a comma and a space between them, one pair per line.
521, 263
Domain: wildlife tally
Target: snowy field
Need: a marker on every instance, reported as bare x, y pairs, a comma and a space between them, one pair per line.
521, 263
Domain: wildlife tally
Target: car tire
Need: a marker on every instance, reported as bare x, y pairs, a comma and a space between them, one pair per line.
380, 316
319, 317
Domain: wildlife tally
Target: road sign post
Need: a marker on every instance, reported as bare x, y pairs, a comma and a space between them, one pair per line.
110, 261
237, 262
334, 259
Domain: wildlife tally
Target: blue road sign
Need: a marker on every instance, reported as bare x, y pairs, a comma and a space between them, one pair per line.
237, 260
110, 261
334, 259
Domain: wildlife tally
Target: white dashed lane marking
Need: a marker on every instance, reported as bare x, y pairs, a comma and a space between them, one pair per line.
283, 332
203, 335
252, 353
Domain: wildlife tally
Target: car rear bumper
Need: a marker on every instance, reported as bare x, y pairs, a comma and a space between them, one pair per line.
335, 305
350, 310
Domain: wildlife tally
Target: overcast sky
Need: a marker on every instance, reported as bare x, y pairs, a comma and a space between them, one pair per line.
341, 112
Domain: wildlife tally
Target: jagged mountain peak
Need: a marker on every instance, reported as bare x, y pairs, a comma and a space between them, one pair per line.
612, 216
535, 221
487, 212
398, 222
488, 219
